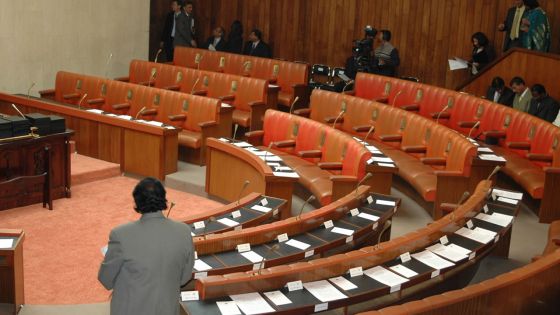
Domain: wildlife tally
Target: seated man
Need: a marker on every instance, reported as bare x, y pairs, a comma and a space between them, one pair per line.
217, 41
542, 105
498, 92
522, 94
256, 47
386, 57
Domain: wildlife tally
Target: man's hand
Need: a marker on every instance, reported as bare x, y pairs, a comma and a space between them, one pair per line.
501, 27
193, 43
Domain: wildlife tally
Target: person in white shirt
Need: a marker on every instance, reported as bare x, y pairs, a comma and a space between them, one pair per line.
217, 41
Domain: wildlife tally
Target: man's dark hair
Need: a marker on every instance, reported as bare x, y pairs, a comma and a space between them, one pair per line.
531, 4
149, 196
386, 35
258, 33
498, 83
482, 39
538, 88
517, 81
187, 3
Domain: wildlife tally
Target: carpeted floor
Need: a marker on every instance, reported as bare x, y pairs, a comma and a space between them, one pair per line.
62, 247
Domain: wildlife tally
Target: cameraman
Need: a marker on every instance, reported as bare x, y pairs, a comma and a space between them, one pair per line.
360, 61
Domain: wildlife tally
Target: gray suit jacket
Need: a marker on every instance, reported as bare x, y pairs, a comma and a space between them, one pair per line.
183, 31
522, 103
146, 263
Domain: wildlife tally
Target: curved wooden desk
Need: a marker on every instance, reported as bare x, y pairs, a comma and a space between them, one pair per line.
229, 166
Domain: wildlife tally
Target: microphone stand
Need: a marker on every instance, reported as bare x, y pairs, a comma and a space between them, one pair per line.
310, 199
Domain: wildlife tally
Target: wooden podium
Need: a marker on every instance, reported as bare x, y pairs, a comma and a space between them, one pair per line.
11, 272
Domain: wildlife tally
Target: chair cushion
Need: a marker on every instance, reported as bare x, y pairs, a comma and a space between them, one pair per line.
285, 98
190, 139
242, 118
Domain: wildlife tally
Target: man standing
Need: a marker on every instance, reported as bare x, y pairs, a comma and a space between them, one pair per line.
190, 22
216, 42
498, 92
512, 25
522, 94
256, 47
386, 57
170, 30
147, 261
542, 105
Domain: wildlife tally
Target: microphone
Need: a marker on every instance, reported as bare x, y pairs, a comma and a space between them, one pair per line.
266, 154
293, 104
170, 207
195, 83
197, 60
107, 64
235, 130
463, 198
157, 55
261, 266
338, 117
439, 114
496, 169
396, 96
386, 226
310, 199
245, 184
368, 176
29, 89
140, 112
206, 222
17, 110
473, 127
152, 78
81, 100
368, 133
347, 84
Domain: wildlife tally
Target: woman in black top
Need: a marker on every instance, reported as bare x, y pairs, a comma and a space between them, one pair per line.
235, 38
481, 55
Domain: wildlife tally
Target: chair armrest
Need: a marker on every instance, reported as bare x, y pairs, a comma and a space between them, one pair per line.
207, 124
71, 96
255, 137
310, 154
121, 106
442, 115
449, 173
411, 107
383, 99
391, 138
518, 145
467, 124
330, 166
96, 101
364, 128
200, 93
495, 134
227, 98
173, 87
434, 161
146, 83
123, 79
179, 117
285, 144
330, 120
256, 104
414, 148
343, 178
149, 112
550, 169
48, 92
304, 112
541, 157
351, 92
298, 85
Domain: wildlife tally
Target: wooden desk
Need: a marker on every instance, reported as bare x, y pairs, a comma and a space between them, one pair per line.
26, 158
139, 148
11, 273
228, 167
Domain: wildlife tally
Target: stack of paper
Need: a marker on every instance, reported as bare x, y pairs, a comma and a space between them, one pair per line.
200, 265
252, 303
447, 252
277, 298
386, 277
323, 291
430, 259
496, 218
228, 308
478, 234
457, 64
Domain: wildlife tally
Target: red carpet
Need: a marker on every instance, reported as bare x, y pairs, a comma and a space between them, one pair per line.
87, 170
62, 247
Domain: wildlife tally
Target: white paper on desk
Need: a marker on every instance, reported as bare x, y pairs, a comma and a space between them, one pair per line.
386, 164
298, 244
342, 231
229, 222
368, 216
169, 127
257, 153
507, 194
286, 174
372, 148
385, 202
273, 164
323, 291
252, 256
457, 65
111, 115
242, 144
508, 200
252, 303
480, 235
228, 308
496, 218
155, 123
261, 208
224, 105
271, 158
385, 276
96, 111
382, 159
484, 149
404, 271
103, 249
282, 168
491, 157
224, 140
430, 259
189, 296
459, 249
447, 252
200, 265
343, 283
125, 117
278, 298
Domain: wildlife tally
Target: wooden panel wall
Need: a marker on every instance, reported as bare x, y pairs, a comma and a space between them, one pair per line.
426, 32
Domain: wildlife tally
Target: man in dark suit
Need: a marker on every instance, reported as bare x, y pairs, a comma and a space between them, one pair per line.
169, 30
256, 47
542, 105
147, 261
217, 41
511, 25
498, 92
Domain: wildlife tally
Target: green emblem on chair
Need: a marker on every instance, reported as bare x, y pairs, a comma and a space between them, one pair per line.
233, 86
387, 88
179, 77
322, 139
247, 66
185, 105
205, 80
507, 120
153, 73
295, 129
275, 70
157, 98
129, 95
344, 149
343, 107
427, 135
450, 102
78, 84
479, 111
374, 114
532, 132
104, 89
403, 123
555, 143
222, 62
197, 58
419, 95
448, 147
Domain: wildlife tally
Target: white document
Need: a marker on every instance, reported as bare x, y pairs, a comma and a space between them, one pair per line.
200, 265
298, 244
508, 200
272, 158
484, 149
252, 303
404, 271
228, 308
496, 218
323, 291
459, 249
125, 117
96, 111
189, 296
507, 194
242, 144
385, 276
261, 208
430, 259
385, 202
257, 153
491, 157
343, 283
342, 231
199, 225
252, 256
155, 123
277, 298
368, 216
457, 64
286, 174
283, 169
386, 164
480, 235
103, 249
447, 252
382, 159
228, 222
